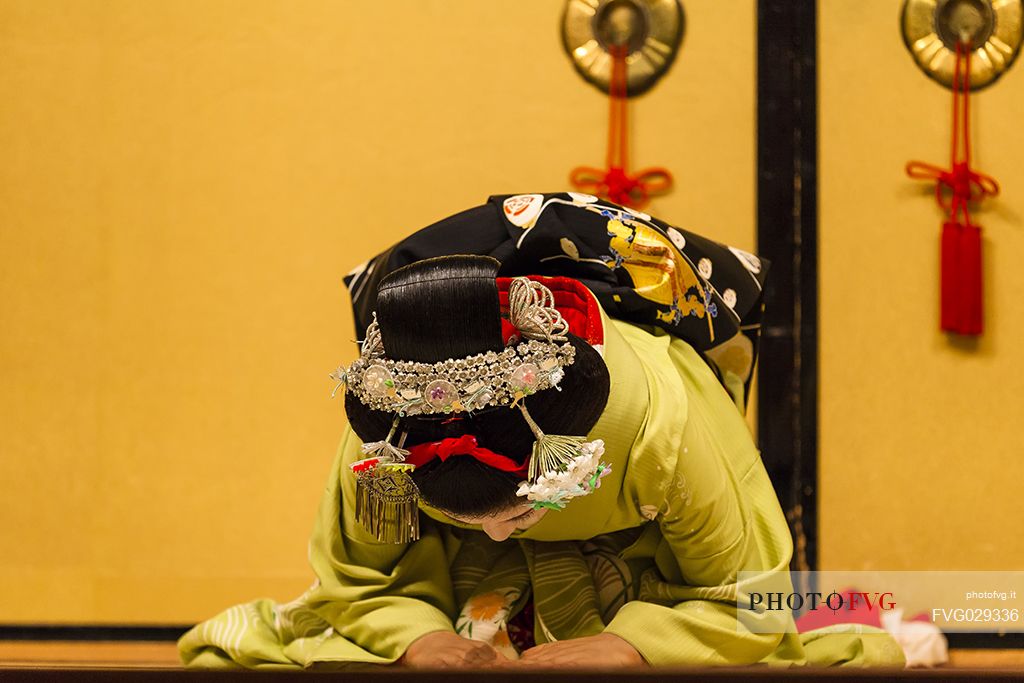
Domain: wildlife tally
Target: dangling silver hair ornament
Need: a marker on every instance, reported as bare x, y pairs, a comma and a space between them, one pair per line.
387, 498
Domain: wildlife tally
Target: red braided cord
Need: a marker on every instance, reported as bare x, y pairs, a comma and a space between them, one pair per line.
964, 183
615, 183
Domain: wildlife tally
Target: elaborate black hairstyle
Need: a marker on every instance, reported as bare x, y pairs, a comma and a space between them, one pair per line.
448, 307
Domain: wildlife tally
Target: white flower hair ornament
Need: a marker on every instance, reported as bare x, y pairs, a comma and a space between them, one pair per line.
581, 476
561, 467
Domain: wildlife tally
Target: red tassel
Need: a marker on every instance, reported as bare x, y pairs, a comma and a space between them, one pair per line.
961, 278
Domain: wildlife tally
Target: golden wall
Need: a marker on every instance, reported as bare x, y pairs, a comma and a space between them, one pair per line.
920, 433
183, 185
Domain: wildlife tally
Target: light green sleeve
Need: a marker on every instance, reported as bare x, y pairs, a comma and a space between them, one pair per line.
711, 529
381, 597
718, 515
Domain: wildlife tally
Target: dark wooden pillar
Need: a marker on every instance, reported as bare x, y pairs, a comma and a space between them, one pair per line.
787, 228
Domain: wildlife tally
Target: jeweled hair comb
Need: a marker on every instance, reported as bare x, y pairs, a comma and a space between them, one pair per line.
453, 385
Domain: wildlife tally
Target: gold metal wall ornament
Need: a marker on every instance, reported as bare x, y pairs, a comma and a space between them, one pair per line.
650, 30
993, 28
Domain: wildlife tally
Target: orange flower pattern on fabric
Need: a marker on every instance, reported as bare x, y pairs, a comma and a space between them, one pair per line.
486, 606
501, 639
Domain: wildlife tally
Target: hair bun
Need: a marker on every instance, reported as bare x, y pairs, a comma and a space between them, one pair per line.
440, 308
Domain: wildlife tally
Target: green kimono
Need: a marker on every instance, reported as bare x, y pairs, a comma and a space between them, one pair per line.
652, 556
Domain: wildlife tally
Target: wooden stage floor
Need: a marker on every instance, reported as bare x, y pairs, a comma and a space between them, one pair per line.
145, 661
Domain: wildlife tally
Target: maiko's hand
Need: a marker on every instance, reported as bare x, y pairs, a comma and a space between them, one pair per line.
446, 650
601, 651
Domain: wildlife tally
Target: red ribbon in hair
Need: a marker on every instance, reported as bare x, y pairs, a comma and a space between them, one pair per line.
463, 445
